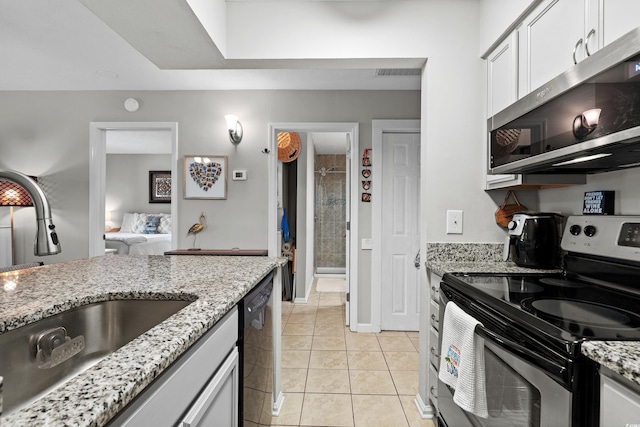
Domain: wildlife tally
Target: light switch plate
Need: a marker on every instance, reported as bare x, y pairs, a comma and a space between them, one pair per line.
454, 222
366, 244
239, 175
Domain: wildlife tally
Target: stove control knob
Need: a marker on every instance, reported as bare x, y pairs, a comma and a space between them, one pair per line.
512, 225
575, 229
590, 230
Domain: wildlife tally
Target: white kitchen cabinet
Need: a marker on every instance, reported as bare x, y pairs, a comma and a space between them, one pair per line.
6, 248
502, 75
502, 91
202, 385
218, 402
618, 18
619, 400
555, 34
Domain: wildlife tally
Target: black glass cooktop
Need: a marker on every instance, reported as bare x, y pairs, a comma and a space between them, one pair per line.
581, 309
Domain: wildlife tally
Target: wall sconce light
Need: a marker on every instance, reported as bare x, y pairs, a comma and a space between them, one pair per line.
235, 128
586, 123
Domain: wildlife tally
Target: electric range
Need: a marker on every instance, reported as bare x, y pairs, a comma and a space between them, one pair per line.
535, 323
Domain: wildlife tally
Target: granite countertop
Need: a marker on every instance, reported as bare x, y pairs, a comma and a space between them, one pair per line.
92, 398
472, 258
622, 357
442, 267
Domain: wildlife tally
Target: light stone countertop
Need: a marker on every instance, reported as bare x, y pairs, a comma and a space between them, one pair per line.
442, 267
472, 258
622, 357
92, 398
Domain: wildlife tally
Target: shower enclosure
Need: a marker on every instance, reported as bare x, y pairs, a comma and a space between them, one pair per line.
330, 213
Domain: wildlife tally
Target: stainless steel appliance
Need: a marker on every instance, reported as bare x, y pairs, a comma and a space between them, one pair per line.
534, 239
586, 120
534, 324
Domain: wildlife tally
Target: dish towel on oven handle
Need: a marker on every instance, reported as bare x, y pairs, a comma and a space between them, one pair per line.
462, 360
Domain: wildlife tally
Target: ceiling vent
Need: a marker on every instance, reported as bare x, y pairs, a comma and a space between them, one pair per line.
383, 72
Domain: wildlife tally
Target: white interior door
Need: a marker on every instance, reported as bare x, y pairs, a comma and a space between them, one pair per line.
400, 183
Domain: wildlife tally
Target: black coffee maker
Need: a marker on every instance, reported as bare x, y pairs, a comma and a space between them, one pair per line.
534, 240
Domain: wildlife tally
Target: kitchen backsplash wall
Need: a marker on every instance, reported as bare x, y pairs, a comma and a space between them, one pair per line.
568, 201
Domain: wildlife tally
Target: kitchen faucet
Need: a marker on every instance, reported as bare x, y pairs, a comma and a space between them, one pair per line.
46, 238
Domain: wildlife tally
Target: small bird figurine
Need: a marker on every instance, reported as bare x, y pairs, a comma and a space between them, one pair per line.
197, 228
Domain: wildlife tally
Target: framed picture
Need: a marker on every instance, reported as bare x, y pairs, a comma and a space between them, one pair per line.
159, 186
205, 177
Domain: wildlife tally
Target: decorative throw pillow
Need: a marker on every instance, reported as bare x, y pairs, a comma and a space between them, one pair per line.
139, 222
152, 224
127, 223
165, 224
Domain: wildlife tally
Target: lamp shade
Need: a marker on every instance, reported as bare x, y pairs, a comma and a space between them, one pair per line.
12, 194
288, 146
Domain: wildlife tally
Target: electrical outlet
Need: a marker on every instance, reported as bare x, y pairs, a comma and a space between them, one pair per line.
454, 222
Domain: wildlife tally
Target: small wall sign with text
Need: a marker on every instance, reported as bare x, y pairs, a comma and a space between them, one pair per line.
598, 203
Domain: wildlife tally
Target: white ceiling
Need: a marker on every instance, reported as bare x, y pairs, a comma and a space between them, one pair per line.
62, 45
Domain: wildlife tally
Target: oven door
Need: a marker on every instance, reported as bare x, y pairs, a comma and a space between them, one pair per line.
519, 391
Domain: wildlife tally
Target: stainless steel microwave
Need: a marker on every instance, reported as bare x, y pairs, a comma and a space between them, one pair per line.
586, 120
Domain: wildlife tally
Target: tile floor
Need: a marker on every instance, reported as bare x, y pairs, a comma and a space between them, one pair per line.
333, 377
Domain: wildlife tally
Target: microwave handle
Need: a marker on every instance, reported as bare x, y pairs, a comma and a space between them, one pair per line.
551, 367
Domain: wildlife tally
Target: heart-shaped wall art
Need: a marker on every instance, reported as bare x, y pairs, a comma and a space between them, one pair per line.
205, 174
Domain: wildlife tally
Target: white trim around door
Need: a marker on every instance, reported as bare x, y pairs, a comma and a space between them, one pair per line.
379, 128
97, 176
272, 209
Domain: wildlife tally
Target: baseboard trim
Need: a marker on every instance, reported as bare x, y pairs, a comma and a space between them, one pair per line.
365, 327
277, 405
425, 411
301, 300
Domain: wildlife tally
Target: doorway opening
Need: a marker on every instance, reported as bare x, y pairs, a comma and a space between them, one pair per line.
97, 173
306, 262
330, 186
330, 215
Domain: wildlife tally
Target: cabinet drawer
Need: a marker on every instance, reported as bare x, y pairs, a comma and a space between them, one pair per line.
434, 349
433, 386
435, 313
435, 290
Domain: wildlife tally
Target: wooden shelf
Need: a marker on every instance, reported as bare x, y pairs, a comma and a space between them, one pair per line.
219, 252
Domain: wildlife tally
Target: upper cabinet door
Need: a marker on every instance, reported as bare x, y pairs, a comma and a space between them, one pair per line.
502, 74
618, 18
547, 40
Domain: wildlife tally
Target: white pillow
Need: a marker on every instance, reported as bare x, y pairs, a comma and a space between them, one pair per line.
165, 224
139, 222
127, 222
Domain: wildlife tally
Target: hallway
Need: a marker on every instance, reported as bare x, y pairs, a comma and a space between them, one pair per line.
333, 377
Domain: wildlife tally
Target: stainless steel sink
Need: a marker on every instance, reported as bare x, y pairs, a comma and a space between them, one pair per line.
39, 357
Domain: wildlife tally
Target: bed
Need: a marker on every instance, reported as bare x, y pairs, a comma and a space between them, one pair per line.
141, 234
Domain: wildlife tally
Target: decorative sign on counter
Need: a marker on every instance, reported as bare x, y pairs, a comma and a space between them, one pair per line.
598, 203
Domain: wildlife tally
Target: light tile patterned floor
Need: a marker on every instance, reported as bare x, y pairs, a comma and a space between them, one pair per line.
333, 377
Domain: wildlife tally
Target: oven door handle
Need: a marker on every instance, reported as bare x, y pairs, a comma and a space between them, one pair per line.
554, 369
